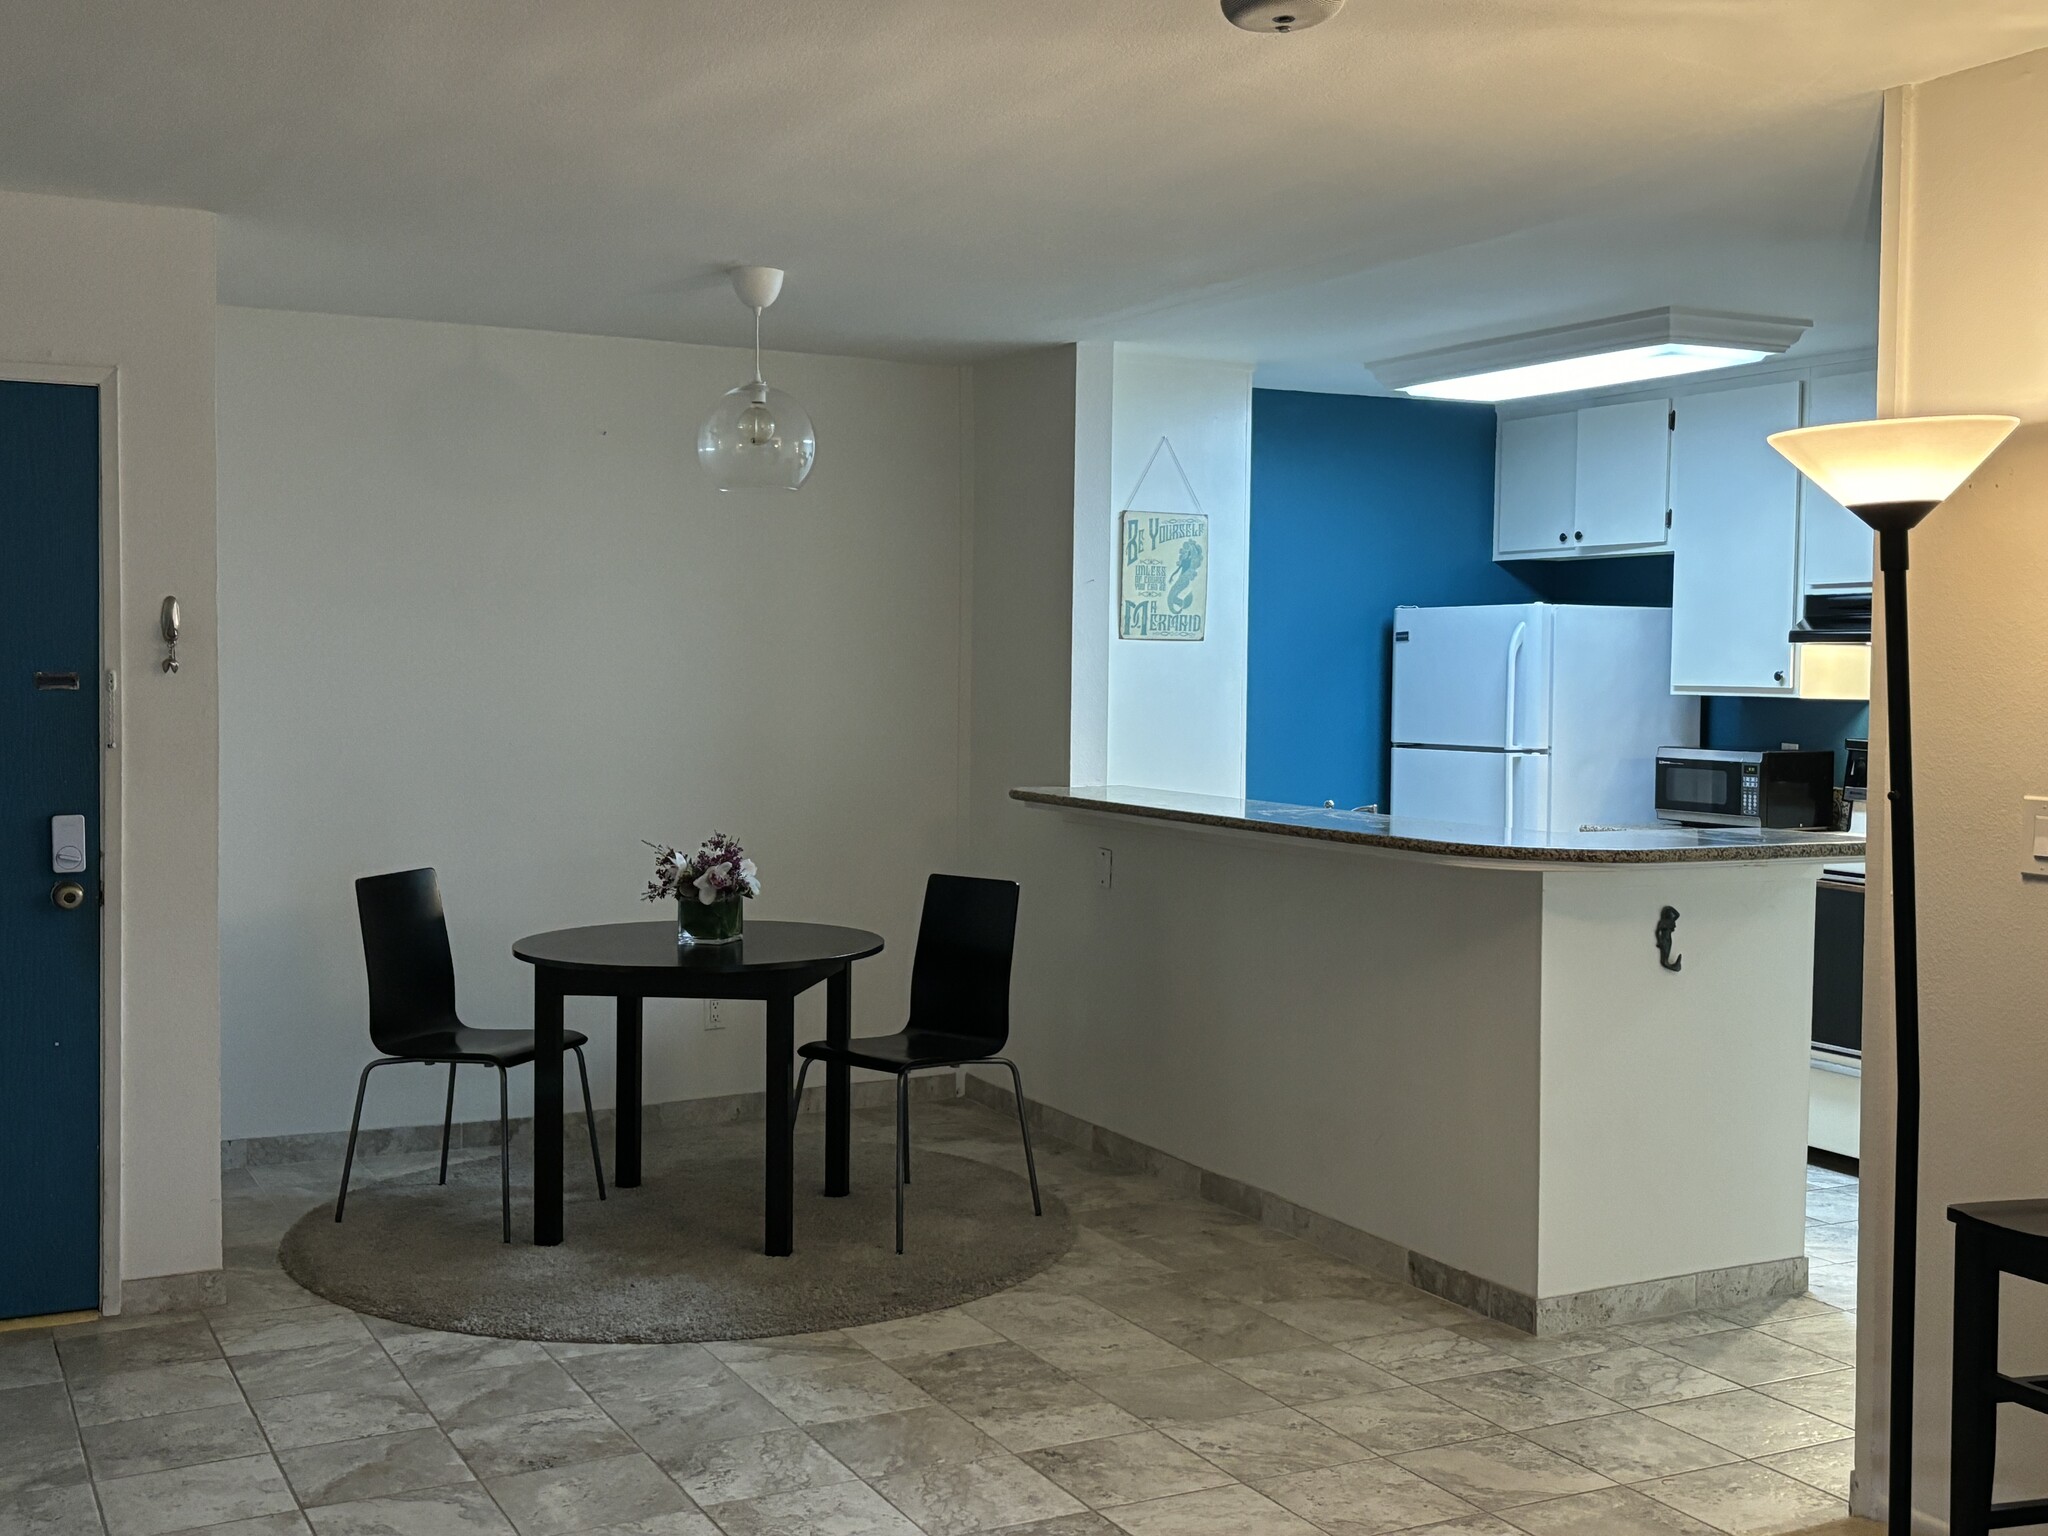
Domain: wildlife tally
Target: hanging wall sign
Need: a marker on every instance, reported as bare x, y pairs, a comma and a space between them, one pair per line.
1163, 557
1165, 575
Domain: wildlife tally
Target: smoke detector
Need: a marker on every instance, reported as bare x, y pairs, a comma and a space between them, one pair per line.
1279, 15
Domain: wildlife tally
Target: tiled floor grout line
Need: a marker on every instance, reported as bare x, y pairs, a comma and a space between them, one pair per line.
384, 1348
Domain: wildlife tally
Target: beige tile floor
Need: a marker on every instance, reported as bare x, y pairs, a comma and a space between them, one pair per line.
1181, 1373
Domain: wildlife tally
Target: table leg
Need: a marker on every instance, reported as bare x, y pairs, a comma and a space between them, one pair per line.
626, 1117
838, 1083
779, 1201
547, 1108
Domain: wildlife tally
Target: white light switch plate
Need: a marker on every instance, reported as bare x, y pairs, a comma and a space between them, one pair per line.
2034, 837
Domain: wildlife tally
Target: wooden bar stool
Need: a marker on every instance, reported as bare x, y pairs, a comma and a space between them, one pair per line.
1993, 1238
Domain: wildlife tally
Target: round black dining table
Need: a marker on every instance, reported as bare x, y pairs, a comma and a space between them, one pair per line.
771, 963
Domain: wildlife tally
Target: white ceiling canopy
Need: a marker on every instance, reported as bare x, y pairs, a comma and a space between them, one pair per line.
959, 177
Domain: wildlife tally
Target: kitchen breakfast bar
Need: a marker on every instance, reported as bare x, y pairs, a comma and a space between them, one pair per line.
1560, 1078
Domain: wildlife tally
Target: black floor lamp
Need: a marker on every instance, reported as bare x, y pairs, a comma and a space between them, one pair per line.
1892, 474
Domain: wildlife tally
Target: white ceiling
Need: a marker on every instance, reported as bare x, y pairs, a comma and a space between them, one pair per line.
948, 178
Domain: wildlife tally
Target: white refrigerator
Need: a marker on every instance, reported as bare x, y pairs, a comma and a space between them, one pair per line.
1533, 717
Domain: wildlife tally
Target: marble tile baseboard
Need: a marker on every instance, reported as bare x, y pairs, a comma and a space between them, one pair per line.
192, 1292
1542, 1316
1704, 1291
676, 1114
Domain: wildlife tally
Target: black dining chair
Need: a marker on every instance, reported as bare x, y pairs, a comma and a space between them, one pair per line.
959, 1008
412, 1016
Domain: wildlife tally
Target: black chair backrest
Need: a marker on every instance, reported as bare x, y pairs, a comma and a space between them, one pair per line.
405, 948
960, 981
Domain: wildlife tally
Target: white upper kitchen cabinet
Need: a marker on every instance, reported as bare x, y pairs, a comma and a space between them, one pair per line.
1623, 483
1592, 481
1835, 546
1536, 473
1735, 570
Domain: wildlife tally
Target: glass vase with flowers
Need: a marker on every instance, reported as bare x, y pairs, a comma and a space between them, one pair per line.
709, 888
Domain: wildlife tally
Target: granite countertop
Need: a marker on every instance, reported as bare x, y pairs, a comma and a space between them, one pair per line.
1452, 840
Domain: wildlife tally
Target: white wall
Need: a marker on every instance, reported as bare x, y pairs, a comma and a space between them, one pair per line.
481, 611
1965, 328
1177, 708
109, 285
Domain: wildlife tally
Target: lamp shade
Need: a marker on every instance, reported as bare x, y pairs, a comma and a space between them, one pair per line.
1904, 460
758, 439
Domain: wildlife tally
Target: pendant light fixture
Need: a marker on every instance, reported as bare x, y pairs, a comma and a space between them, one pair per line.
758, 438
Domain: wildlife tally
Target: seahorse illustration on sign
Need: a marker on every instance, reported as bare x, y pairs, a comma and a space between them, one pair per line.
1178, 597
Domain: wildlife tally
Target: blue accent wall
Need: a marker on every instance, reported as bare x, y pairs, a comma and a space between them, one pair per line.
1737, 723
1614, 581
1359, 503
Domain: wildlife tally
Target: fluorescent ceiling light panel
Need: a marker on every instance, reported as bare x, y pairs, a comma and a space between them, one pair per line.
1631, 365
1628, 349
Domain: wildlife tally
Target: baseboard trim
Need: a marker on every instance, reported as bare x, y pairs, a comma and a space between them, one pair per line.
675, 1114
191, 1292
1541, 1316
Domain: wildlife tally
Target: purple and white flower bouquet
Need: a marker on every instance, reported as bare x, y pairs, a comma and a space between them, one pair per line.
707, 887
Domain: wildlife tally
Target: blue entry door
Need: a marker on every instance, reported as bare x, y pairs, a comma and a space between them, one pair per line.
50, 697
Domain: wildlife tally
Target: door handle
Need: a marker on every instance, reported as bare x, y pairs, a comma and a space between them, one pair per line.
67, 895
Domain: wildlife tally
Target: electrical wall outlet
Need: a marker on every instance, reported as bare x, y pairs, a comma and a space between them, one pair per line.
714, 1012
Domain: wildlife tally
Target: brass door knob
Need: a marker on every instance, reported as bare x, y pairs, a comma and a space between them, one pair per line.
68, 895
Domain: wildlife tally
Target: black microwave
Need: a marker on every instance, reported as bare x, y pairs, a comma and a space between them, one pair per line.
1697, 787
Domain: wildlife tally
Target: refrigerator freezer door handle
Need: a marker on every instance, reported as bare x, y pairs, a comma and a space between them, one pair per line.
1507, 738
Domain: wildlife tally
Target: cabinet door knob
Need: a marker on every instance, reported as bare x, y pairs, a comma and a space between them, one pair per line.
1779, 676
1578, 535
1560, 538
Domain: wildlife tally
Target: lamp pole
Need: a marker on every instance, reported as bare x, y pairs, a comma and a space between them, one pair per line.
1893, 521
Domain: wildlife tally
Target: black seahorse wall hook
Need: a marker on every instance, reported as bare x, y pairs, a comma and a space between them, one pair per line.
1667, 926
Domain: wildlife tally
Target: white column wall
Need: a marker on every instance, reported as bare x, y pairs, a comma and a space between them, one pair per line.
1964, 327
1177, 708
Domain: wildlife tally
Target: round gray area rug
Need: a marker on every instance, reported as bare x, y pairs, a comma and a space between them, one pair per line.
678, 1259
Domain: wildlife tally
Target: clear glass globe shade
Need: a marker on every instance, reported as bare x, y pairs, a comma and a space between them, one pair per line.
758, 439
